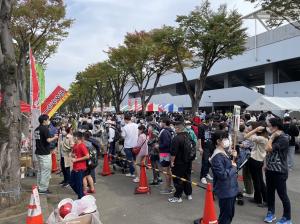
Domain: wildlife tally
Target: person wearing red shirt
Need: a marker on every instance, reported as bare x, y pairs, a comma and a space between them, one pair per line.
80, 155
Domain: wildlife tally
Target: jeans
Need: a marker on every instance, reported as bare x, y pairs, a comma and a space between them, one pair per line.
291, 154
112, 146
260, 191
129, 156
76, 182
112, 151
44, 164
93, 174
227, 207
277, 181
183, 171
65, 170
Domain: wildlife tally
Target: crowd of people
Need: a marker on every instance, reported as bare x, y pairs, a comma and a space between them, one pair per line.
263, 146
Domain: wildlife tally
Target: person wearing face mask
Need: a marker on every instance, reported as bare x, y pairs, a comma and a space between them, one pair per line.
259, 137
206, 148
164, 140
130, 135
225, 185
190, 131
43, 139
277, 171
66, 142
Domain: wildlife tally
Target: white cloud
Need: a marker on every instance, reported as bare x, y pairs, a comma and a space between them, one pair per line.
103, 23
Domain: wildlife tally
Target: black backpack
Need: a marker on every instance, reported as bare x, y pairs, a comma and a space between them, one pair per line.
117, 134
189, 148
92, 162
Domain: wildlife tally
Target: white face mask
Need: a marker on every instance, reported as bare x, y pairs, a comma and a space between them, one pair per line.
226, 143
189, 127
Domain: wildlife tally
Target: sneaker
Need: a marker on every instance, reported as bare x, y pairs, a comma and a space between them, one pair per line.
208, 176
189, 197
91, 191
44, 192
248, 195
169, 191
130, 175
154, 183
270, 217
284, 220
65, 185
175, 200
203, 180
136, 180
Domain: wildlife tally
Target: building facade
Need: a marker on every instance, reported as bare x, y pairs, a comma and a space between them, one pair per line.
270, 66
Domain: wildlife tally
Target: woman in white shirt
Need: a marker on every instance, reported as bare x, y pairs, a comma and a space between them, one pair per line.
259, 136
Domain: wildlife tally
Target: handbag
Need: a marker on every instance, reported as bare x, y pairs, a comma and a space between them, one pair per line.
136, 150
66, 146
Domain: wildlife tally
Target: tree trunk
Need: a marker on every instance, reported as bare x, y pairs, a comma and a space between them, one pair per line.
143, 103
117, 106
10, 114
22, 87
199, 89
102, 105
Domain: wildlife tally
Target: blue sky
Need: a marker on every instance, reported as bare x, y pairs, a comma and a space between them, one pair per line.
103, 23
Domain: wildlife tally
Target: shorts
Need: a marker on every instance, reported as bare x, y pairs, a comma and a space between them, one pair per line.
165, 159
87, 172
154, 157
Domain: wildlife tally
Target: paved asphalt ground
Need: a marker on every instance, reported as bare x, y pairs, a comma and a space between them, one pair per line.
117, 203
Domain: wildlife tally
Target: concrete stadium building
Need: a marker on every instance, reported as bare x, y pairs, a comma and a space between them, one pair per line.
270, 66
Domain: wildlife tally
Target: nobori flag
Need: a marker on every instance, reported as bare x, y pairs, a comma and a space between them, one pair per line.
54, 101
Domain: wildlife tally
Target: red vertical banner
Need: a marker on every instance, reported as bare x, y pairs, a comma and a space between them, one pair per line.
34, 82
136, 105
129, 104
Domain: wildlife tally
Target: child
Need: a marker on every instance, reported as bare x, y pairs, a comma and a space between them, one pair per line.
80, 155
225, 177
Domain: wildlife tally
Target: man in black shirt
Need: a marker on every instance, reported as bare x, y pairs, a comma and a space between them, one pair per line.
181, 166
43, 154
206, 148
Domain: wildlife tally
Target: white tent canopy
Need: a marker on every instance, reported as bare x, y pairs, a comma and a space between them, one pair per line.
275, 104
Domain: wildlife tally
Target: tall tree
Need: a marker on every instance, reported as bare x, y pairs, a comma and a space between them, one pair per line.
281, 11
97, 77
146, 60
43, 25
118, 74
209, 36
9, 113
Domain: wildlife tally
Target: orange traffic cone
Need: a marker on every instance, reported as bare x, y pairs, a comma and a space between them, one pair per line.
209, 214
143, 187
149, 166
106, 169
34, 215
54, 162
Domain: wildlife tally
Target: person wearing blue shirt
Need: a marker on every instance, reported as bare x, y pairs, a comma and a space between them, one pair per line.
225, 183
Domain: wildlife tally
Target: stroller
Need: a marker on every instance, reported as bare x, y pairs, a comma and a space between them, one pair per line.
120, 161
